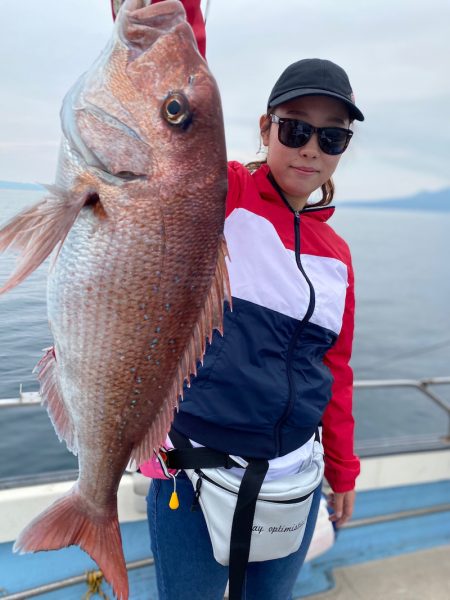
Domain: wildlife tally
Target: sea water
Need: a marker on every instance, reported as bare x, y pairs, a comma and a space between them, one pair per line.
401, 262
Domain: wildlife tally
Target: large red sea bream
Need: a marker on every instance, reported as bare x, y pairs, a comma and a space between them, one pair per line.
138, 277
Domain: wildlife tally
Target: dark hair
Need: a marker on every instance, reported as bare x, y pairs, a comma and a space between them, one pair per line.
327, 188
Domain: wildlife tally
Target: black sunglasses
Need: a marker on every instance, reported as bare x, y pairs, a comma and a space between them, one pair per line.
295, 134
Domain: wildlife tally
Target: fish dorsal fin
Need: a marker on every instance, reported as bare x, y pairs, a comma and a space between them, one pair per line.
211, 317
37, 230
53, 400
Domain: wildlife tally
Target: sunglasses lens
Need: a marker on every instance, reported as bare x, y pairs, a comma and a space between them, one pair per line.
294, 134
333, 140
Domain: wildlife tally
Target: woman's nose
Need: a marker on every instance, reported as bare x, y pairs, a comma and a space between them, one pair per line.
311, 148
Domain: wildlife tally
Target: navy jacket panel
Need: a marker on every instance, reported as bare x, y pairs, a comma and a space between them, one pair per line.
243, 382
311, 379
252, 383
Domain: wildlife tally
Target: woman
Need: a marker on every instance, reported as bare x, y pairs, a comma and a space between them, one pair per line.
282, 367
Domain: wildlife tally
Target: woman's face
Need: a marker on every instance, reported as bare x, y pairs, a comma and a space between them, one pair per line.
301, 171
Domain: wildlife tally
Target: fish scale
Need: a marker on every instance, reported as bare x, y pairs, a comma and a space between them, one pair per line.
138, 278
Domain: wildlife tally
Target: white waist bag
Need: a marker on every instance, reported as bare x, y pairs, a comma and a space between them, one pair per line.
282, 509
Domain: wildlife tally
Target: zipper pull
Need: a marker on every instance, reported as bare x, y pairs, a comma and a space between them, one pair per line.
198, 486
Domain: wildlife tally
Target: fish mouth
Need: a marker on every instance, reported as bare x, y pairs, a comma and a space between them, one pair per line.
140, 25
155, 15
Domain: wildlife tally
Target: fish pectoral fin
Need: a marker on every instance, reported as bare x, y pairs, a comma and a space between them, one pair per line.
52, 399
211, 317
36, 231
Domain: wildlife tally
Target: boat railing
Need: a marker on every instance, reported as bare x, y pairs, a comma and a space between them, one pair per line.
401, 443
422, 385
24, 399
413, 442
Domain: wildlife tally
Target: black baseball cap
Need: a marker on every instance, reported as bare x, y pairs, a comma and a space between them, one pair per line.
314, 77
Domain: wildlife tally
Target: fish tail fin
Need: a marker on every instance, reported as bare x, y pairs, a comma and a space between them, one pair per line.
69, 521
37, 230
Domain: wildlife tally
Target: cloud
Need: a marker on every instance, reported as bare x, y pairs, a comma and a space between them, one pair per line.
396, 54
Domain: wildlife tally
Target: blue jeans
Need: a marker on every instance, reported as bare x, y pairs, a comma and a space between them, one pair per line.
185, 566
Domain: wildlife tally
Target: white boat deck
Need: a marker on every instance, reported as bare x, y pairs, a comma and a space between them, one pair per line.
423, 575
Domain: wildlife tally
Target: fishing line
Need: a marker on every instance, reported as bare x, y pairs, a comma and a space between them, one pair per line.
207, 7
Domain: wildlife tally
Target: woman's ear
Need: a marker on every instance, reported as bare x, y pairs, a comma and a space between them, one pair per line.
264, 128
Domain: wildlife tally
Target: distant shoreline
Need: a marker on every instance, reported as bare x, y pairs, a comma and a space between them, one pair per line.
380, 205
426, 201
16, 185
436, 201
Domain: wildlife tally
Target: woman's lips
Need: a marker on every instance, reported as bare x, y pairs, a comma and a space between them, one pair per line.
306, 170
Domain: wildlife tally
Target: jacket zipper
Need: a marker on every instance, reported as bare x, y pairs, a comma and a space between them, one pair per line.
300, 327
302, 323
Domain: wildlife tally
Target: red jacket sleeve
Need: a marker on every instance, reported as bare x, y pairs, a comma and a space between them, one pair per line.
341, 465
238, 176
194, 18
196, 21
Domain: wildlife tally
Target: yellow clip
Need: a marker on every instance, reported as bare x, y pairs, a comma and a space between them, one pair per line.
174, 503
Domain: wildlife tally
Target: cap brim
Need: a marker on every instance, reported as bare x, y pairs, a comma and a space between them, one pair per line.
354, 111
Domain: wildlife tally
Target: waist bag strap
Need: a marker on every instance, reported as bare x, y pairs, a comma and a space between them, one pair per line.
184, 456
241, 530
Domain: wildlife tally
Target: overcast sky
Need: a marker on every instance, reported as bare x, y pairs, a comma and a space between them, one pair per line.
396, 52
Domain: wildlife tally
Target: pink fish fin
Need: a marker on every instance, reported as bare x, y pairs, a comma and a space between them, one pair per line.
71, 521
211, 317
36, 231
222, 283
160, 427
52, 399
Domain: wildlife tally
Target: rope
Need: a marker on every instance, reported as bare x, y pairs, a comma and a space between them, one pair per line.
94, 580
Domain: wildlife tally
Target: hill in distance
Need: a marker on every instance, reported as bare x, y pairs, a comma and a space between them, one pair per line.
15, 185
427, 201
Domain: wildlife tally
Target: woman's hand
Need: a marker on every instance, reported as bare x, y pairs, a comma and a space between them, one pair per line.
342, 506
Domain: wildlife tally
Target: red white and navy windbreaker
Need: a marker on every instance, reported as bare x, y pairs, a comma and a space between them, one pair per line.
282, 365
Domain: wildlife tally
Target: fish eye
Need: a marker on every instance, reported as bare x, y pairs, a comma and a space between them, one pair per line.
176, 110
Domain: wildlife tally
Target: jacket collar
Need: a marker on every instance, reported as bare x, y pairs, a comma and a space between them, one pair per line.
269, 193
